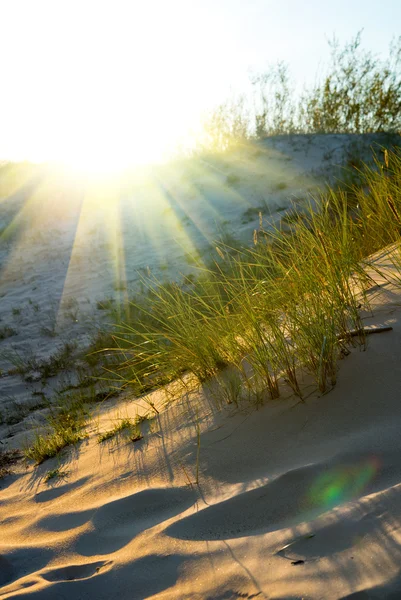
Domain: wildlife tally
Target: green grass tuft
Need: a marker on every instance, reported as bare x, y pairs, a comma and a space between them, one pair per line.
131, 426
47, 446
56, 473
65, 427
6, 332
232, 179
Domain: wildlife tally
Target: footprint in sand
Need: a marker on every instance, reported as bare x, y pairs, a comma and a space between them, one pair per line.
133, 581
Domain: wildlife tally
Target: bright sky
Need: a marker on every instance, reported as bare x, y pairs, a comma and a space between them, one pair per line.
98, 83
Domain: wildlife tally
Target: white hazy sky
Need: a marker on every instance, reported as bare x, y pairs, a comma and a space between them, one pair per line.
112, 81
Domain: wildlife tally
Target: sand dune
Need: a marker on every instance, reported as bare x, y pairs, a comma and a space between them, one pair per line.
295, 499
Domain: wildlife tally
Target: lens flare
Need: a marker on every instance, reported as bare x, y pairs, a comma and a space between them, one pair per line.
342, 483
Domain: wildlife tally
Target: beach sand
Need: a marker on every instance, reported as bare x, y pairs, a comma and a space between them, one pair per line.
294, 500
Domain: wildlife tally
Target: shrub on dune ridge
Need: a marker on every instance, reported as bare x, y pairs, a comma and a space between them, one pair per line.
359, 93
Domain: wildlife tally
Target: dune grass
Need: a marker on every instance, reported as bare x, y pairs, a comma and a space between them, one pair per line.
23, 364
56, 473
281, 310
131, 426
65, 427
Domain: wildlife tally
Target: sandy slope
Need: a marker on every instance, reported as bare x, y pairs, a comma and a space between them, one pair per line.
317, 482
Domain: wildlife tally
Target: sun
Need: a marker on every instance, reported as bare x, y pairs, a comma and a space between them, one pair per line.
110, 155
106, 135
106, 86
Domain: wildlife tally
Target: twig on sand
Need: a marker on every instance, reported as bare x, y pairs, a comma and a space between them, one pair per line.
365, 331
298, 539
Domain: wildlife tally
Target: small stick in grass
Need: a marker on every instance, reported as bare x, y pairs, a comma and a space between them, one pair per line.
366, 331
